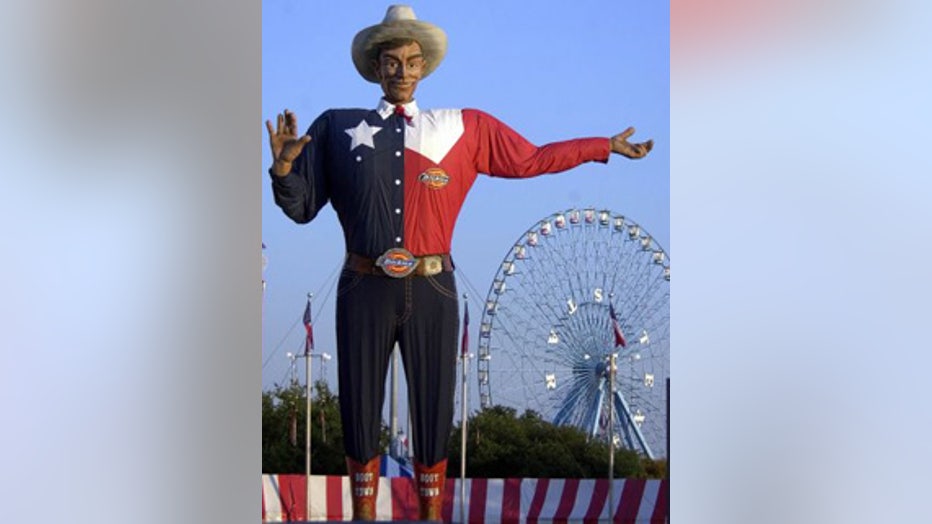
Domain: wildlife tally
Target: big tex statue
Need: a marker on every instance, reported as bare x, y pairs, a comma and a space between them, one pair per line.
397, 176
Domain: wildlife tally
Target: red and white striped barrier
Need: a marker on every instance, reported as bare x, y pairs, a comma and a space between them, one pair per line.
637, 501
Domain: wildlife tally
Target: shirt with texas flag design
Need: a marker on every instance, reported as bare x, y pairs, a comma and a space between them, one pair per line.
400, 180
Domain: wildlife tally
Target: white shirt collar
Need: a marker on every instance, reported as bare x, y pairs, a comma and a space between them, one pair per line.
386, 109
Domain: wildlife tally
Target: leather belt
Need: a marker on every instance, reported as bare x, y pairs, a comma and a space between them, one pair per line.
399, 263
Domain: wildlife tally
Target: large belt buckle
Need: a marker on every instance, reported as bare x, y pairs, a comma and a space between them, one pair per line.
431, 265
397, 262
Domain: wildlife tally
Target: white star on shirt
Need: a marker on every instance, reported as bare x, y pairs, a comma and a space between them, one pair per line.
362, 135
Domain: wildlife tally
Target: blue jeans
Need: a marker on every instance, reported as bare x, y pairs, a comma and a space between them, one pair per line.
421, 314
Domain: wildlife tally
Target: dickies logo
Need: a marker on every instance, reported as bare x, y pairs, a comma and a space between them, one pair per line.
397, 262
434, 178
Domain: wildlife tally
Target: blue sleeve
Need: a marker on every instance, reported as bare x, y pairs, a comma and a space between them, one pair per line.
302, 193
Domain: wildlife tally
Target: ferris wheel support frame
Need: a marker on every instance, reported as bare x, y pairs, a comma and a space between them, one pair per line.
624, 410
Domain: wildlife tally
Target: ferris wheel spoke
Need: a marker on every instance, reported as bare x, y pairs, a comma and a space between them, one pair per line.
646, 288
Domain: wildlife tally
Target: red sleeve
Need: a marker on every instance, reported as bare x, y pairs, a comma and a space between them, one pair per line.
501, 151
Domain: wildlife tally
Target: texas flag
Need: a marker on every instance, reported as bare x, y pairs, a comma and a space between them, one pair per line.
619, 337
309, 341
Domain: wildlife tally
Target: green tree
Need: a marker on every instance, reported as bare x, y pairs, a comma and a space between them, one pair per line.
283, 431
501, 444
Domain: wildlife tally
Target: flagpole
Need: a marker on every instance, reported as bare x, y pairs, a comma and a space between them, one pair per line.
619, 340
464, 357
307, 443
611, 436
393, 408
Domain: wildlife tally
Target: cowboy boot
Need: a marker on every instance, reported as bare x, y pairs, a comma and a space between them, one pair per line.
364, 487
430, 482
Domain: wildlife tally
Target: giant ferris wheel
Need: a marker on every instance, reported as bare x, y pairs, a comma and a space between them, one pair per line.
548, 331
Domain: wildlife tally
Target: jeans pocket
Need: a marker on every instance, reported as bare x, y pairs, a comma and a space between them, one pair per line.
348, 281
441, 288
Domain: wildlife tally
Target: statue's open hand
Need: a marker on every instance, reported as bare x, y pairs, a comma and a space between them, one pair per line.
284, 140
621, 145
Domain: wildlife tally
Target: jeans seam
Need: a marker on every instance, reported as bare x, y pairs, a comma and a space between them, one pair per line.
408, 302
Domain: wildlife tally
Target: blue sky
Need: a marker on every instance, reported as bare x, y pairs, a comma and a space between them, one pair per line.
591, 69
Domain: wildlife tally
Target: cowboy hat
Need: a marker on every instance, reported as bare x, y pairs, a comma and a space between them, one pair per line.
399, 22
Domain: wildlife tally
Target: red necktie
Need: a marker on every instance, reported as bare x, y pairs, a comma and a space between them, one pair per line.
400, 110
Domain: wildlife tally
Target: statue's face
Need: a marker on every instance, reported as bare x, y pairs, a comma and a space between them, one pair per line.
399, 70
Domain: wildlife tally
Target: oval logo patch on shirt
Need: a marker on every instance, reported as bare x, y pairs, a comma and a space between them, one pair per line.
434, 178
